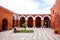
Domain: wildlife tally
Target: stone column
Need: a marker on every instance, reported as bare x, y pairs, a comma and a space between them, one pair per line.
34, 23
18, 21
42, 22
15, 23
26, 22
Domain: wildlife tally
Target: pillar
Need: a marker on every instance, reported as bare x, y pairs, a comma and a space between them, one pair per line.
34, 23
42, 22
18, 23
26, 22
15, 23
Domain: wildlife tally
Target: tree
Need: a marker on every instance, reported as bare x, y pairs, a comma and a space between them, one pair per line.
24, 24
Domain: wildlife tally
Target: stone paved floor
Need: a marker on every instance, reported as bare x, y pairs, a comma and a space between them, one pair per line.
39, 34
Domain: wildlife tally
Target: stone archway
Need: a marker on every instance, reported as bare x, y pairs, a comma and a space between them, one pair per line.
30, 22
22, 20
38, 22
4, 24
46, 22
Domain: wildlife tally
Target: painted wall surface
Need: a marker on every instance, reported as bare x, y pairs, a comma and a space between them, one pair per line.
5, 14
55, 15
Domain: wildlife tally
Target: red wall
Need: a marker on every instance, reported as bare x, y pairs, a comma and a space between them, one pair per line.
4, 13
55, 16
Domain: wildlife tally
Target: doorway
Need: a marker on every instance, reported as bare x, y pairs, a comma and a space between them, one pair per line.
22, 21
30, 22
46, 22
38, 22
4, 24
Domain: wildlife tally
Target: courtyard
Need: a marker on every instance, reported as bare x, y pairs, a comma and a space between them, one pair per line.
39, 34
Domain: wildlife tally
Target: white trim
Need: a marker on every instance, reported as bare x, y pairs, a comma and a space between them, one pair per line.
18, 17
47, 16
15, 17
39, 16
30, 16
23, 16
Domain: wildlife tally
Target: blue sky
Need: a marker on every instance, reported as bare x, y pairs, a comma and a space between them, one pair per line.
44, 4
28, 6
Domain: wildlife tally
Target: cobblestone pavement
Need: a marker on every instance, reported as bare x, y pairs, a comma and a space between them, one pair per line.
39, 34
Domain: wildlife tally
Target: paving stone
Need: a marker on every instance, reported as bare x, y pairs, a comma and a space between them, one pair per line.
39, 34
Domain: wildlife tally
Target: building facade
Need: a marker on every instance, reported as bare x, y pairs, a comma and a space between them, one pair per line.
36, 20
9, 19
5, 19
55, 15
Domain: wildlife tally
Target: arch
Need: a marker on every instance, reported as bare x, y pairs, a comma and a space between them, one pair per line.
15, 17
4, 24
46, 22
30, 16
38, 22
47, 16
23, 16
22, 20
30, 22
18, 17
39, 16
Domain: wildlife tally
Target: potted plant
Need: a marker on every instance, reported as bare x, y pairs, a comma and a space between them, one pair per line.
24, 24
56, 30
15, 30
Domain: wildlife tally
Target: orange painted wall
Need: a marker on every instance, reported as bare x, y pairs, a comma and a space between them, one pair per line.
7, 15
55, 16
